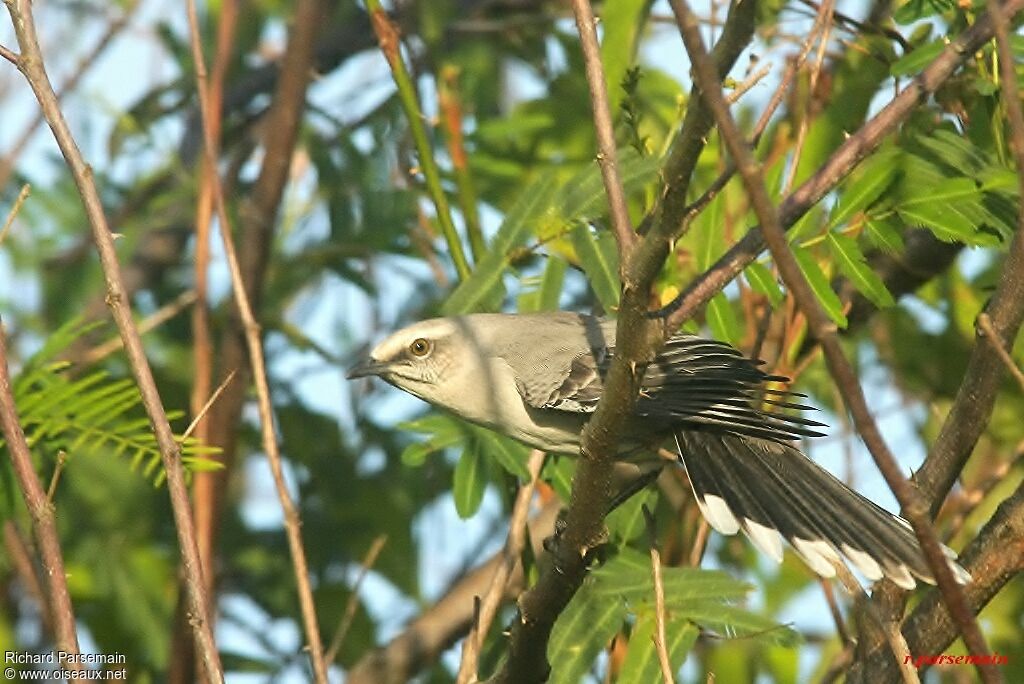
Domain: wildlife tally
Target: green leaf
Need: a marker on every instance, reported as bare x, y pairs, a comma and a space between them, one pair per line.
622, 22
853, 265
733, 622
469, 482
584, 198
884, 235
558, 472
641, 665
722, 320
581, 632
762, 280
828, 299
864, 190
599, 258
482, 290
941, 220
918, 58
947, 191
627, 521
628, 575
509, 454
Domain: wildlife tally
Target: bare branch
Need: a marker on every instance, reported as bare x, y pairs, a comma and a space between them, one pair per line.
13, 213
353, 600
825, 331
31, 65
607, 155
44, 524
659, 600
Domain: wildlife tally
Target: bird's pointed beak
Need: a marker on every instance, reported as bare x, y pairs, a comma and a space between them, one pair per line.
366, 368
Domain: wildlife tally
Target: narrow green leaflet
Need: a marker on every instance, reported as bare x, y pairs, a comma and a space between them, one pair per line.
582, 631
584, 196
622, 22
865, 189
627, 521
600, 261
469, 482
509, 454
884, 235
558, 472
853, 265
482, 290
641, 665
733, 622
917, 59
628, 575
442, 431
945, 224
722, 320
551, 285
828, 299
762, 280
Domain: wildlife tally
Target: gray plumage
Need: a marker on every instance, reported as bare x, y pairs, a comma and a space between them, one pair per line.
538, 377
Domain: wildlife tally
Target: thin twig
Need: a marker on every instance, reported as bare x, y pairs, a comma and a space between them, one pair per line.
739, 91
353, 599
825, 331
833, 609
889, 628
514, 545
387, 35
44, 524
985, 323
307, 14
209, 404
659, 599
13, 213
58, 469
607, 155
20, 557
31, 65
86, 62
10, 56
151, 322
824, 19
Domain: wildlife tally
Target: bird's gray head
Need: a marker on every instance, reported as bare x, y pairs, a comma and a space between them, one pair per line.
420, 358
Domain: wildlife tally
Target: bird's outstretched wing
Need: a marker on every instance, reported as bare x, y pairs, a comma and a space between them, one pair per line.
695, 383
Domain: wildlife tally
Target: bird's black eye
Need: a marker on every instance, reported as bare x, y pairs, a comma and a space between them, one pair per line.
420, 347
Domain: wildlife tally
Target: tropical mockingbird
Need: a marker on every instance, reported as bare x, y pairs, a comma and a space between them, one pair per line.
538, 378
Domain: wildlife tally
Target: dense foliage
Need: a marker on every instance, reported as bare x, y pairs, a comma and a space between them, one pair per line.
903, 254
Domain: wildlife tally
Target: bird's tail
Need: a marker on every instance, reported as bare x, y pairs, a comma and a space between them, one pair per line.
768, 489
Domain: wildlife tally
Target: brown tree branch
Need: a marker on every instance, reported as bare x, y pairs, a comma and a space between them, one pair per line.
846, 157
824, 330
510, 555
637, 340
44, 524
30, 63
607, 154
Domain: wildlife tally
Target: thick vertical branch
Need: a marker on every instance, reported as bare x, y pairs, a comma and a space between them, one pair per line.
825, 331
637, 340
44, 525
30, 63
